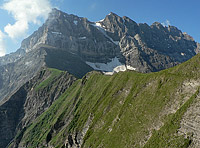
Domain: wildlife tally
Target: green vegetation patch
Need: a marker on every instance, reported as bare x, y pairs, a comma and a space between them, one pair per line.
55, 73
168, 136
37, 133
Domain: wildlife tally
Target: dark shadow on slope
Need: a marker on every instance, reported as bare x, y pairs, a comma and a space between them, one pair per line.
11, 113
66, 61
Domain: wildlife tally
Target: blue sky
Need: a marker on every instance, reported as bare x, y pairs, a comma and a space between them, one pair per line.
184, 14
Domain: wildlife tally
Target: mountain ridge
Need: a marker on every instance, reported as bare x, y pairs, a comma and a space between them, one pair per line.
127, 109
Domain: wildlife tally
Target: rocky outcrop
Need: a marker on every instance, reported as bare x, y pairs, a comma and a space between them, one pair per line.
198, 48
30, 101
190, 122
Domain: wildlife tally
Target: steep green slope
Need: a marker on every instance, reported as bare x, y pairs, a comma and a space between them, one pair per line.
128, 109
27, 103
54, 74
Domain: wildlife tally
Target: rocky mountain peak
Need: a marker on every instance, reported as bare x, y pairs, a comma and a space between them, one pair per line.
55, 13
112, 17
175, 31
57, 16
157, 25
112, 14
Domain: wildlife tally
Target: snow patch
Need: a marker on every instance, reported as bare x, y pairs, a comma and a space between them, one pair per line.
110, 68
82, 38
75, 22
130, 67
98, 24
109, 73
120, 68
58, 33
182, 53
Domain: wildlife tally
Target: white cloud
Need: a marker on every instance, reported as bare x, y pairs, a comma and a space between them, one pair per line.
2, 46
25, 12
166, 23
16, 30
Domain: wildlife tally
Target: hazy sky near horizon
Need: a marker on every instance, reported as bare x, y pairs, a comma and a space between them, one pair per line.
20, 18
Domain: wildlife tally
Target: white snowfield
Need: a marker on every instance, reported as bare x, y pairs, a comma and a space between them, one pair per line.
110, 68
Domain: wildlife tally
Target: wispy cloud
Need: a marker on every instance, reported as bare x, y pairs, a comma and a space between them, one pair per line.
166, 23
25, 12
2, 46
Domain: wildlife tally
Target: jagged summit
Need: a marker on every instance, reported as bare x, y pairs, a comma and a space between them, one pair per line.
58, 14
55, 11
158, 25
112, 14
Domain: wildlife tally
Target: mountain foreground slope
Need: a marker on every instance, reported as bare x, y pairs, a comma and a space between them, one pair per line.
127, 109
77, 45
26, 104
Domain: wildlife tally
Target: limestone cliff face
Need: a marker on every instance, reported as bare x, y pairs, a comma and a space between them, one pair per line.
149, 48
30, 101
73, 34
146, 48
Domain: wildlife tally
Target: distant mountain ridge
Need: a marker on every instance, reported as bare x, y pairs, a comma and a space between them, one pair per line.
74, 44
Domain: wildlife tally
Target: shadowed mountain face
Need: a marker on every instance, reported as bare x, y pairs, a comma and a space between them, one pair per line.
72, 43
